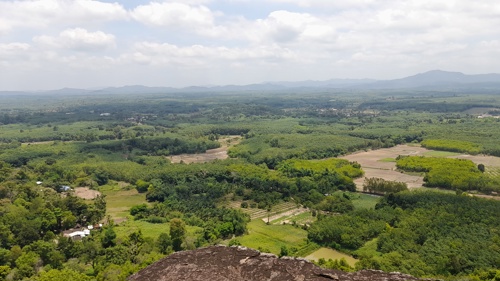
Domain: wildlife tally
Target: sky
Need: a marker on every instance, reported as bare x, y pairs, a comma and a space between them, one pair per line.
52, 44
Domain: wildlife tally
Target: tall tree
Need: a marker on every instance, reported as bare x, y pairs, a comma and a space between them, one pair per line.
164, 243
177, 233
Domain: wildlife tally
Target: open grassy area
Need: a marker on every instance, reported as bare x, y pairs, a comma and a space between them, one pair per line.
361, 200
119, 202
327, 253
149, 230
301, 218
270, 238
389, 159
365, 201
369, 249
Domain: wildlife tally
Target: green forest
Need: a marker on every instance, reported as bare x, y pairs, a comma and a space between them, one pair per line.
283, 171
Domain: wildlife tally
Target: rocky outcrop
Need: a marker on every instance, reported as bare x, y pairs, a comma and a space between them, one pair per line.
221, 263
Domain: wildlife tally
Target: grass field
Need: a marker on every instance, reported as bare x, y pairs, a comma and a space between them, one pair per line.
387, 160
270, 238
149, 230
365, 201
326, 253
119, 202
300, 218
369, 249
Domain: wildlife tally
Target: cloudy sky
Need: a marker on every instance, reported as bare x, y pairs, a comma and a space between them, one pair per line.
50, 44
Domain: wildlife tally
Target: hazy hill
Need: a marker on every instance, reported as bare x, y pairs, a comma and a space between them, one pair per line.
431, 80
437, 79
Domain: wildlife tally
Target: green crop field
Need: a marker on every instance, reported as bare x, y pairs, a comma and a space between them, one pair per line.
119, 202
365, 201
270, 238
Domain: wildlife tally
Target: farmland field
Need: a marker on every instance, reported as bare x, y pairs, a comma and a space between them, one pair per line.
119, 202
255, 213
375, 163
270, 238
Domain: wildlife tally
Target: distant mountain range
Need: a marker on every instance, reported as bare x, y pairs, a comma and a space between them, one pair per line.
435, 80
438, 79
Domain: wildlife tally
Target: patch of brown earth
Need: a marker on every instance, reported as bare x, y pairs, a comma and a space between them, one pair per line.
488, 161
86, 193
221, 263
375, 168
294, 212
372, 162
210, 155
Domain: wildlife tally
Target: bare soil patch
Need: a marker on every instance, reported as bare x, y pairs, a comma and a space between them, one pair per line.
210, 155
37, 142
293, 212
488, 161
86, 193
372, 162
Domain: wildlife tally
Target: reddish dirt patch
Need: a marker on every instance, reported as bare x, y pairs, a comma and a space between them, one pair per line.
211, 154
86, 193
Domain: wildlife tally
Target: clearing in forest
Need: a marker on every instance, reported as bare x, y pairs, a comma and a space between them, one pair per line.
378, 163
86, 193
327, 253
256, 213
210, 155
119, 203
285, 217
270, 238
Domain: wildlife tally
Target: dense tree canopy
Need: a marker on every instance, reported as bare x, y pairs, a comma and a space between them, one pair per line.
286, 144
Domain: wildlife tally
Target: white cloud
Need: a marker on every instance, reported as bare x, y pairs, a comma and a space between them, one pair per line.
337, 4
79, 39
13, 48
13, 52
233, 39
43, 13
199, 55
174, 15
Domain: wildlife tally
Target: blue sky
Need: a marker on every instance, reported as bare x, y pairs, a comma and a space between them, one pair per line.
50, 44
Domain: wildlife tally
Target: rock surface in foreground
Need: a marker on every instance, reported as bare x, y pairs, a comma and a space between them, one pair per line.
220, 263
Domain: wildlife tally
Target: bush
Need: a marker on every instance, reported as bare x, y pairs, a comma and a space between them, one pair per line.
379, 185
